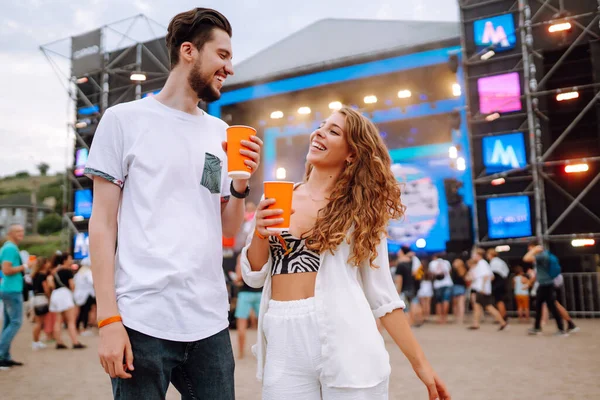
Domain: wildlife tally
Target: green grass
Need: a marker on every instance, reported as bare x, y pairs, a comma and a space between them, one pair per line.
11, 185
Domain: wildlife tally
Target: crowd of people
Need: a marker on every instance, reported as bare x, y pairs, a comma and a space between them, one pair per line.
54, 294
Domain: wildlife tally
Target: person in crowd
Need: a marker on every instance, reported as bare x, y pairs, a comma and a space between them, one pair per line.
499, 284
41, 299
11, 292
521, 286
61, 300
442, 286
546, 291
459, 290
425, 293
481, 284
407, 283
163, 300
327, 278
559, 285
84, 296
248, 300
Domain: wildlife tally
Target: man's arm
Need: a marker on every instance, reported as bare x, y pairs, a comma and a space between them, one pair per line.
530, 256
399, 282
232, 211
9, 270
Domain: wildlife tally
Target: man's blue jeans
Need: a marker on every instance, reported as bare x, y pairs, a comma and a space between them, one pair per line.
199, 370
13, 319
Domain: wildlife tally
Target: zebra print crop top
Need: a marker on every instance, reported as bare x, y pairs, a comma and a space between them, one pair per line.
291, 256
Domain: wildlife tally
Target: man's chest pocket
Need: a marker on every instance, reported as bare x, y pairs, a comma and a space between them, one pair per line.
211, 175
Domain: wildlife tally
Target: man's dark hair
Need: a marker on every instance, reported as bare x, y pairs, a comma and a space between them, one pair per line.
195, 26
533, 243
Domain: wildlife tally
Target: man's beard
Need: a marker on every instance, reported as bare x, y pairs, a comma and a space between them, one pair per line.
202, 86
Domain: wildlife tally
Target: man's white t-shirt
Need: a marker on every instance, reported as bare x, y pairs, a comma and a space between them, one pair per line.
499, 267
439, 267
480, 273
171, 166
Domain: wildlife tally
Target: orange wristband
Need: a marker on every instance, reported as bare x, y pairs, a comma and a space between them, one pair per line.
110, 320
258, 235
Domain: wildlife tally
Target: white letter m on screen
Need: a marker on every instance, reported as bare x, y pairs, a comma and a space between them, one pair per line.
504, 156
495, 36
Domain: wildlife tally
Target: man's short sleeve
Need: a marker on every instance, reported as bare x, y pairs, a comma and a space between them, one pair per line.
106, 155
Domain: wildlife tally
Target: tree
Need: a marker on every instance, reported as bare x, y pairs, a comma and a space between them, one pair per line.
43, 167
22, 174
50, 224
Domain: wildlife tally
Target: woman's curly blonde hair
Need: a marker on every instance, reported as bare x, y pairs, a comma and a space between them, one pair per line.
365, 197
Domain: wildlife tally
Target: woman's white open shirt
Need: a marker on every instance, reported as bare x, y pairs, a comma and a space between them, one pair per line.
348, 301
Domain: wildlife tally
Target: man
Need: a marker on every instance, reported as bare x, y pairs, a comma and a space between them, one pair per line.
160, 176
501, 272
481, 277
11, 293
442, 286
546, 292
407, 283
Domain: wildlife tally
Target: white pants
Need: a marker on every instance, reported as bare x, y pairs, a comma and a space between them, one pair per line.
293, 360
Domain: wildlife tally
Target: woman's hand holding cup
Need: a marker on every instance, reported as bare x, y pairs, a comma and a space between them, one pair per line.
266, 217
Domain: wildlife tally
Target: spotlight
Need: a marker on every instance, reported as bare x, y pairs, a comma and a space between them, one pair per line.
371, 99
404, 94
488, 55
83, 79
421, 243
81, 124
277, 115
567, 96
304, 110
281, 173
575, 168
492, 117
461, 164
583, 242
77, 218
498, 181
138, 77
502, 249
335, 105
453, 152
560, 27
456, 90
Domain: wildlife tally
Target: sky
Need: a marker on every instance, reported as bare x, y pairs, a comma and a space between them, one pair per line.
34, 105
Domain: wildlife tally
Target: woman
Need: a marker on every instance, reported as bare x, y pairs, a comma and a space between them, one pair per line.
41, 296
459, 272
61, 300
425, 294
84, 296
327, 279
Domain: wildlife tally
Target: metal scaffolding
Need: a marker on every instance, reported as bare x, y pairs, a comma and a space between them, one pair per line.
125, 47
534, 82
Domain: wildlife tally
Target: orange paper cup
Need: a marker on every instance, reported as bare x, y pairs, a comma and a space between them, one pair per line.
236, 168
282, 192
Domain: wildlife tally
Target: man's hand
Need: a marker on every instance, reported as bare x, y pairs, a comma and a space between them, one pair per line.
114, 349
252, 150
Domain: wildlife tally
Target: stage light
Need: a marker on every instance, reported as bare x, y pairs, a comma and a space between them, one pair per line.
277, 115
281, 173
137, 77
335, 105
461, 164
81, 80
371, 99
583, 242
304, 110
560, 27
498, 181
453, 152
77, 218
404, 94
456, 90
567, 96
492, 117
421, 243
488, 55
81, 125
502, 249
575, 168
